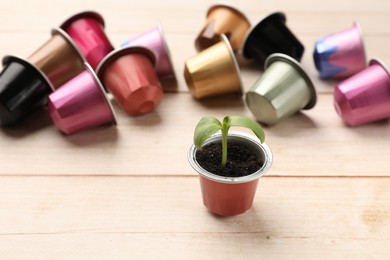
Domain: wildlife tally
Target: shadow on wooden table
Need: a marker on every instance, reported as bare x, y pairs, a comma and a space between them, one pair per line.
149, 119
379, 130
37, 121
246, 64
329, 83
295, 124
169, 84
234, 100
107, 134
251, 221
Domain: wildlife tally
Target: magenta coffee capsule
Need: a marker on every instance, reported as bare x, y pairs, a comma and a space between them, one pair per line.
23, 89
341, 54
80, 104
154, 40
87, 31
364, 97
271, 35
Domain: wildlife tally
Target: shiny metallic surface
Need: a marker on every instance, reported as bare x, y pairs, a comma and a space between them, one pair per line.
130, 76
223, 19
282, 90
59, 58
271, 35
228, 196
91, 14
80, 104
154, 40
364, 97
213, 72
87, 31
341, 54
23, 89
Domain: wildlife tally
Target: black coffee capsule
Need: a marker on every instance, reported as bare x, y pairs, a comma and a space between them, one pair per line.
271, 35
23, 88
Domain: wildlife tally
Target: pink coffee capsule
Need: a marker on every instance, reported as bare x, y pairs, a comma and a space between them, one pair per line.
80, 104
87, 31
154, 40
364, 97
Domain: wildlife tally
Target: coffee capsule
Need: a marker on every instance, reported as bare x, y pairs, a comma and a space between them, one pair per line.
271, 35
80, 104
154, 40
281, 91
129, 74
87, 31
213, 72
23, 89
223, 19
341, 54
59, 58
364, 97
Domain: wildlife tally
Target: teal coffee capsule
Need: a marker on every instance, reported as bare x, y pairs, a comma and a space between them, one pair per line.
282, 90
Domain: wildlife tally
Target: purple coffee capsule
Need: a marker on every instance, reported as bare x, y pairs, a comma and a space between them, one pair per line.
341, 54
154, 40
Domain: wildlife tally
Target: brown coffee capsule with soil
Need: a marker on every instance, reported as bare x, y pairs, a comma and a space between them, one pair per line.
233, 194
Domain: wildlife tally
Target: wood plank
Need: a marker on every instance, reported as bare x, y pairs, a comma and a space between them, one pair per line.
116, 217
117, 21
187, 246
302, 6
313, 143
132, 14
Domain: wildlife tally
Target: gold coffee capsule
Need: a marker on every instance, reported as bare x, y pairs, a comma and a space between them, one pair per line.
213, 71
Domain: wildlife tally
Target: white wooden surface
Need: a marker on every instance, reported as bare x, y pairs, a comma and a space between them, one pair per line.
129, 193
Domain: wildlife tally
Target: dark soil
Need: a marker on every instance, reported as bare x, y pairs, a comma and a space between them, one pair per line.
241, 160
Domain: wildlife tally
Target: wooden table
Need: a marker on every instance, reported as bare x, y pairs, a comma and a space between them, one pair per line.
128, 192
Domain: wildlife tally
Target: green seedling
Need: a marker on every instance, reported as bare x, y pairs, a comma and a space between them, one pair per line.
208, 126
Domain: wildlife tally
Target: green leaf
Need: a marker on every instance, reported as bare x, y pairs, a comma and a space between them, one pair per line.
206, 127
226, 121
243, 121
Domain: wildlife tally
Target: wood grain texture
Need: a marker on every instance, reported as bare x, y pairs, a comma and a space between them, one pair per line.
128, 192
312, 143
151, 216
